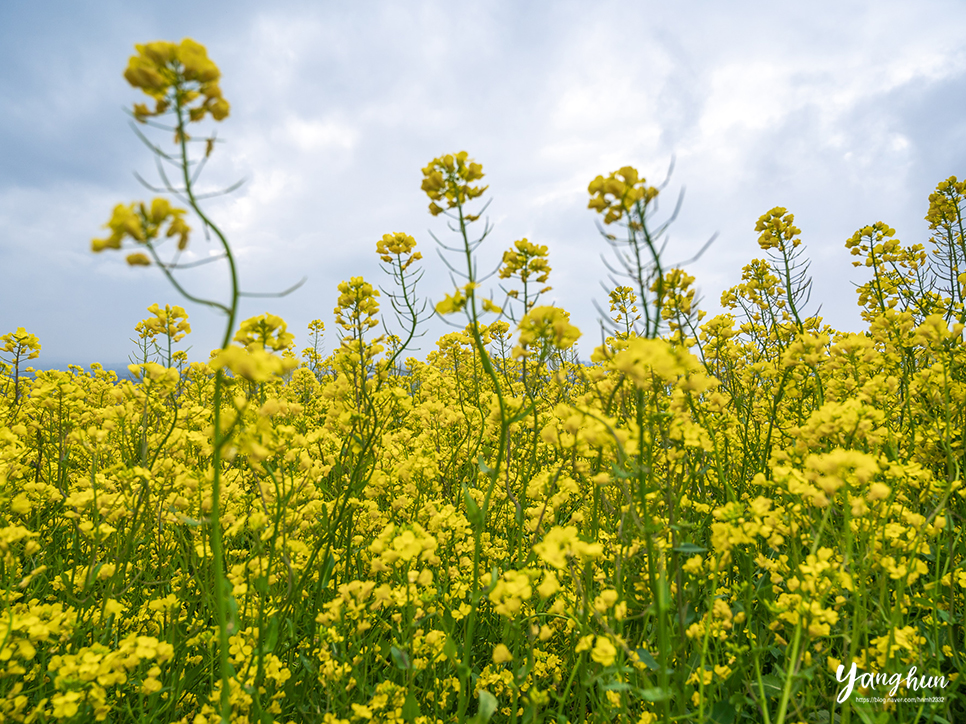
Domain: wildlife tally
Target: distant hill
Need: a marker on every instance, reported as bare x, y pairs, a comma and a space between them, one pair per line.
119, 368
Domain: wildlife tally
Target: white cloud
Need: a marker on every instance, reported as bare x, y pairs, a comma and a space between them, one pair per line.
311, 136
336, 108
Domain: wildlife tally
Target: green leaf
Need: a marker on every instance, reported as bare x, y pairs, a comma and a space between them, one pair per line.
616, 686
232, 611
647, 658
410, 709
484, 468
723, 712
656, 693
449, 648
864, 712
486, 709
620, 473
473, 512
327, 567
689, 548
307, 664
268, 645
400, 658
690, 614
772, 685
523, 671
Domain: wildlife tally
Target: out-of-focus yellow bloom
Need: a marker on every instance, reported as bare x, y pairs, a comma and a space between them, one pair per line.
545, 327
255, 365
267, 331
644, 360
176, 76
562, 543
510, 592
455, 302
138, 259
501, 654
604, 651
143, 225
490, 306
67, 704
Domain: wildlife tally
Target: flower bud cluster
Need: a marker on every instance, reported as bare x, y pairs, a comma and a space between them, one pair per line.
143, 224
778, 230
171, 321
448, 178
619, 193
176, 75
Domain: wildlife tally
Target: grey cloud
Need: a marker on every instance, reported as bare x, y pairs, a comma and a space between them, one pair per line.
336, 107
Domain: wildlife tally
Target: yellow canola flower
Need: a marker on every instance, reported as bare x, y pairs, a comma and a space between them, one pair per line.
562, 543
448, 180
66, 705
549, 586
361, 711
398, 245
138, 259
642, 360
490, 306
357, 305
778, 230
267, 331
605, 600
934, 330
19, 342
143, 224
945, 204
407, 545
879, 491
455, 302
527, 260
21, 504
176, 76
545, 326
831, 470
171, 321
604, 651
619, 193
501, 654
255, 365
153, 373
511, 590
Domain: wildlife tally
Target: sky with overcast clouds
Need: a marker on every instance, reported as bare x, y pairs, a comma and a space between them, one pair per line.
846, 113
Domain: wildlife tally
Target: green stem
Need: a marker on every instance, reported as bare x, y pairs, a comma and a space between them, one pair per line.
217, 553
221, 591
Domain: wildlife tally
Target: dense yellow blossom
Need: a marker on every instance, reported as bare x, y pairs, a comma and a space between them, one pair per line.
705, 521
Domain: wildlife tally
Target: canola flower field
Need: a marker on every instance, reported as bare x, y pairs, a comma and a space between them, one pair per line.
745, 518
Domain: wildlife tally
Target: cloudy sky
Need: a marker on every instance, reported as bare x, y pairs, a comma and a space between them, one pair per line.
847, 113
